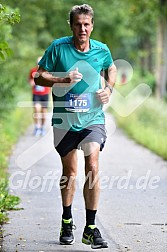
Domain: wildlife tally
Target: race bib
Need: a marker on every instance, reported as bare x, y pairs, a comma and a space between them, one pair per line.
39, 88
77, 102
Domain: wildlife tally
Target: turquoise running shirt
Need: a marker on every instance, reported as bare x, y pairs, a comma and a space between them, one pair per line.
76, 107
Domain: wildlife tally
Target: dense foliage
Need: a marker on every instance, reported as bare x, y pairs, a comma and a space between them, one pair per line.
128, 27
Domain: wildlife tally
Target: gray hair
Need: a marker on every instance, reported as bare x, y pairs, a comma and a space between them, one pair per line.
81, 9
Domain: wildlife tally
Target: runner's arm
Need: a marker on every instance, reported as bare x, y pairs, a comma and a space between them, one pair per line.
44, 78
109, 79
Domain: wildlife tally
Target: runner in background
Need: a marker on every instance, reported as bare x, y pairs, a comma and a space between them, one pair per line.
40, 97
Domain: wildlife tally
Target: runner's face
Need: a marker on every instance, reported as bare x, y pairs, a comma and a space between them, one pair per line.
82, 27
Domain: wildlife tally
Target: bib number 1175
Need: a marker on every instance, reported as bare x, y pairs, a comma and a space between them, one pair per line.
77, 102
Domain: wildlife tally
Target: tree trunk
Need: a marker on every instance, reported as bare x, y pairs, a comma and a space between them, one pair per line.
149, 56
161, 61
146, 59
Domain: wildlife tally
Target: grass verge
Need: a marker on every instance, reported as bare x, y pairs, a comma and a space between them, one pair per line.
12, 125
147, 125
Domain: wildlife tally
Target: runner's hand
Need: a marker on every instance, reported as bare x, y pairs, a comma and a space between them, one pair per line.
103, 96
75, 76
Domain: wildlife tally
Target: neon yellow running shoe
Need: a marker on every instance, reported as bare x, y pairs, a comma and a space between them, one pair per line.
66, 232
92, 236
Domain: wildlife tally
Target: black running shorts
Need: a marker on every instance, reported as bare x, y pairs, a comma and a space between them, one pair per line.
41, 99
66, 141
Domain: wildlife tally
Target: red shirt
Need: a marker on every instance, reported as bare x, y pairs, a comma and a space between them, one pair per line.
38, 90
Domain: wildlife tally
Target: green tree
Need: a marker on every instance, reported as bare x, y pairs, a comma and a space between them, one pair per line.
142, 20
128, 27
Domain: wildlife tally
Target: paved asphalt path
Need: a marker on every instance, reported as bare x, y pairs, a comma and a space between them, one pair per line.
132, 213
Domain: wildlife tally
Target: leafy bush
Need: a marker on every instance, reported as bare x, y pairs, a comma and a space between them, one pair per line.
8, 17
7, 201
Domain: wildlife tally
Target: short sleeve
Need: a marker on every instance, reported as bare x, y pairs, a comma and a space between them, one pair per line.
48, 60
108, 61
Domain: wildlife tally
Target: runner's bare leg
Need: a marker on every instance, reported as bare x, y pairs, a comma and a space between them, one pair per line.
91, 188
68, 179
